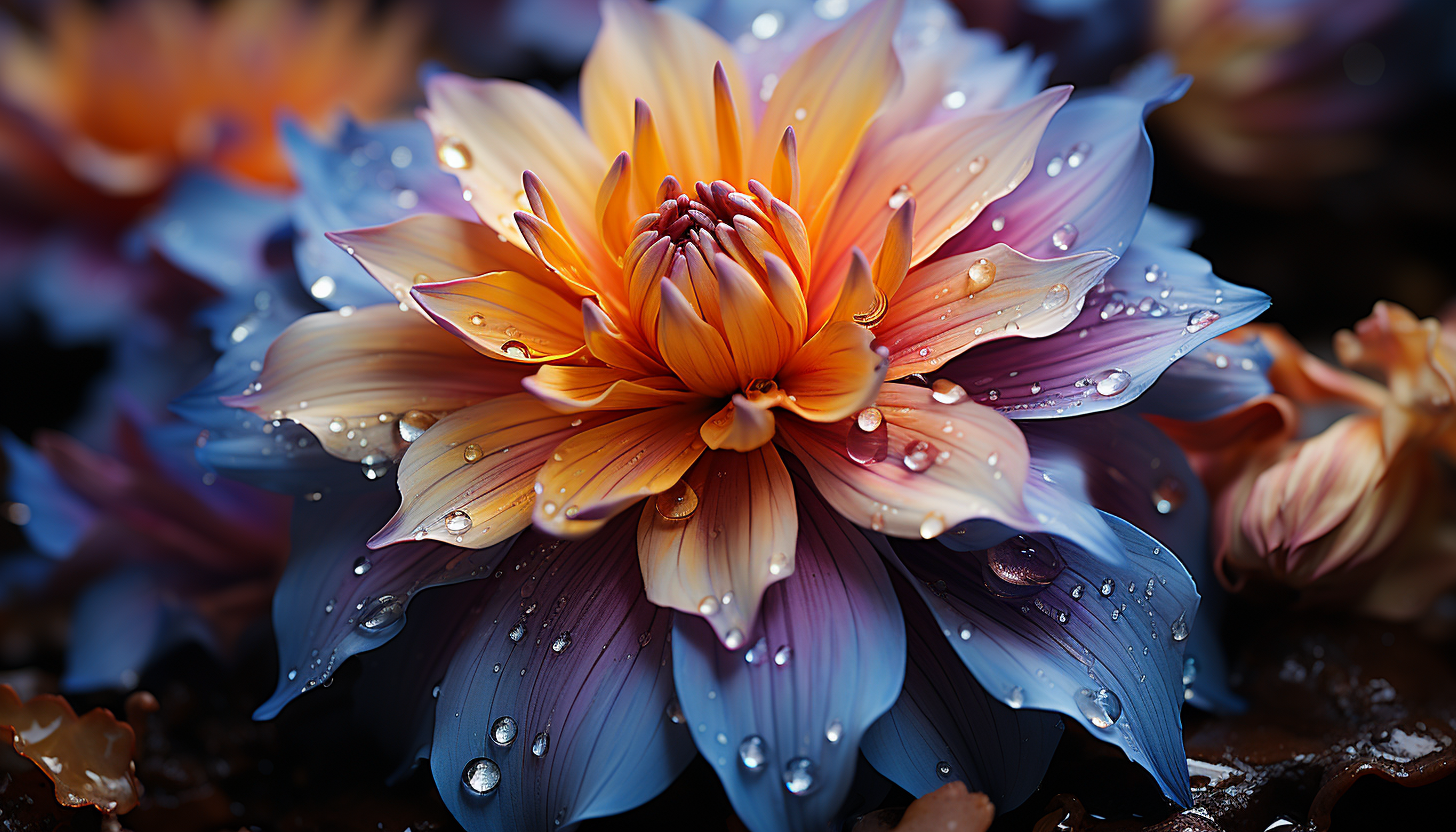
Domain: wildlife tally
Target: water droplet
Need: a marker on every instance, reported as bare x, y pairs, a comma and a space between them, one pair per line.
1113, 382
942, 770
414, 423
1180, 627
292, 674
783, 654
953, 100
980, 276
381, 613
1101, 707
503, 731
946, 391
919, 455
517, 632
1056, 297
1106, 588
374, 465
799, 776
1201, 320
752, 754
708, 606
758, 653
1153, 273
561, 642
481, 775
454, 154
1168, 496
932, 526
1054, 166
674, 713
778, 564
1064, 238
362, 565
965, 632
1077, 591
1020, 563
834, 731
516, 350
1016, 697
457, 522
1078, 154
868, 441
477, 319
898, 198
998, 224
472, 453
733, 639
337, 425
678, 502
540, 744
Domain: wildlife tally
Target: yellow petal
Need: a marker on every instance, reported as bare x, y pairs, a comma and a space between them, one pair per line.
596, 474
506, 315
738, 540
328, 373
835, 375
567, 389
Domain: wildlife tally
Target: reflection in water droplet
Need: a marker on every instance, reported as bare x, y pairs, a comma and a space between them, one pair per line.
541, 744
1020, 564
1201, 319
561, 642
472, 453
457, 522
503, 731
868, 440
1180, 627
374, 465
678, 502
799, 776
1065, 237
337, 425
481, 775
1101, 707
751, 753
919, 455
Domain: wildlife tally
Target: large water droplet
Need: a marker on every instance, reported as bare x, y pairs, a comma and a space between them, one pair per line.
1056, 297
481, 775
1019, 565
503, 731
381, 613
678, 502
1101, 707
362, 565
457, 522
1113, 382
752, 753
455, 156
946, 391
1201, 320
919, 455
516, 350
980, 276
1180, 627
868, 440
1065, 237
414, 423
799, 774
540, 744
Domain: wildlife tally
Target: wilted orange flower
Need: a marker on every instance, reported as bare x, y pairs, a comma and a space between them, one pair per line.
1333, 484
119, 99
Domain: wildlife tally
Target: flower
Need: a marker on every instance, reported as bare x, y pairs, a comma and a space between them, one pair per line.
721, 292
1333, 486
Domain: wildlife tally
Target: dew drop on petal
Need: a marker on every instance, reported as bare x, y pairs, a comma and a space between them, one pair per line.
1113, 382
455, 156
503, 731
752, 754
678, 502
472, 453
477, 320
834, 731
980, 275
1201, 320
708, 606
1016, 697
778, 564
942, 770
869, 419
1101, 707
516, 350
1078, 154
481, 775
868, 440
1054, 166
517, 632
540, 744
1056, 297
733, 639
946, 391
783, 654
799, 776
1065, 237
1180, 628
561, 642
362, 565
1021, 562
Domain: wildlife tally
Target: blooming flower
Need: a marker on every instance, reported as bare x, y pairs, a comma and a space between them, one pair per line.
1350, 511
720, 292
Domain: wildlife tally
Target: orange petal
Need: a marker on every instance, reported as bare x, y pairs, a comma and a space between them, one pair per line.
758, 336
935, 316
568, 389
718, 559
609, 345
972, 464
952, 169
695, 351
857, 295
470, 479
835, 375
667, 59
598, 473
742, 425
348, 378
489, 132
506, 315
88, 757
431, 248
830, 95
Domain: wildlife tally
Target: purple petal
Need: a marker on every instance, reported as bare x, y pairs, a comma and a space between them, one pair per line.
1041, 634
338, 598
586, 690
1129, 331
945, 726
830, 661
1210, 381
1090, 183
1125, 466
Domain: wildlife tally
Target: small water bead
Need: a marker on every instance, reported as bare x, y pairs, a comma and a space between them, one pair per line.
517, 632
362, 565
980, 276
942, 769
678, 502
541, 744
1101, 707
1179, 627
1201, 320
1035, 387
965, 632
477, 319
1077, 591
1078, 154
752, 753
998, 223
946, 391
1054, 166
1056, 297
834, 731
1153, 273
1015, 697
561, 642
758, 653
516, 350
899, 197
481, 775
1168, 496
674, 713
292, 674
1113, 382
919, 455
503, 731
414, 423
496, 668
472, 453
457, 522
1106, 588
778, 564
733, 639
799, 774
454, 154
1065, 237
783, 654
708, 606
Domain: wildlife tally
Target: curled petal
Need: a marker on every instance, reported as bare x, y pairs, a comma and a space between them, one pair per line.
742, 424
506, 315
598, 473
609, 344
327, 373
88, 757
570, 389
718, 560
937, 464
944, 307
835, 375
468, 480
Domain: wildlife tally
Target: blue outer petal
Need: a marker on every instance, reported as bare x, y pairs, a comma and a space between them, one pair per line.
1124, 465
839, 621
1104, 196
217, 231
1024, 654
120, 623
338, 598
591, 671
1210, 381
59, 518
944, 716
1129, 331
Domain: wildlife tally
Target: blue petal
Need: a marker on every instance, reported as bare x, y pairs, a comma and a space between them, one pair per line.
59, 518
1129, 332
1210, 381
218, 231
1125, 466
338, 598
945, 726
587, 684
830, 661
1058, 644
1092, 176
120, 623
